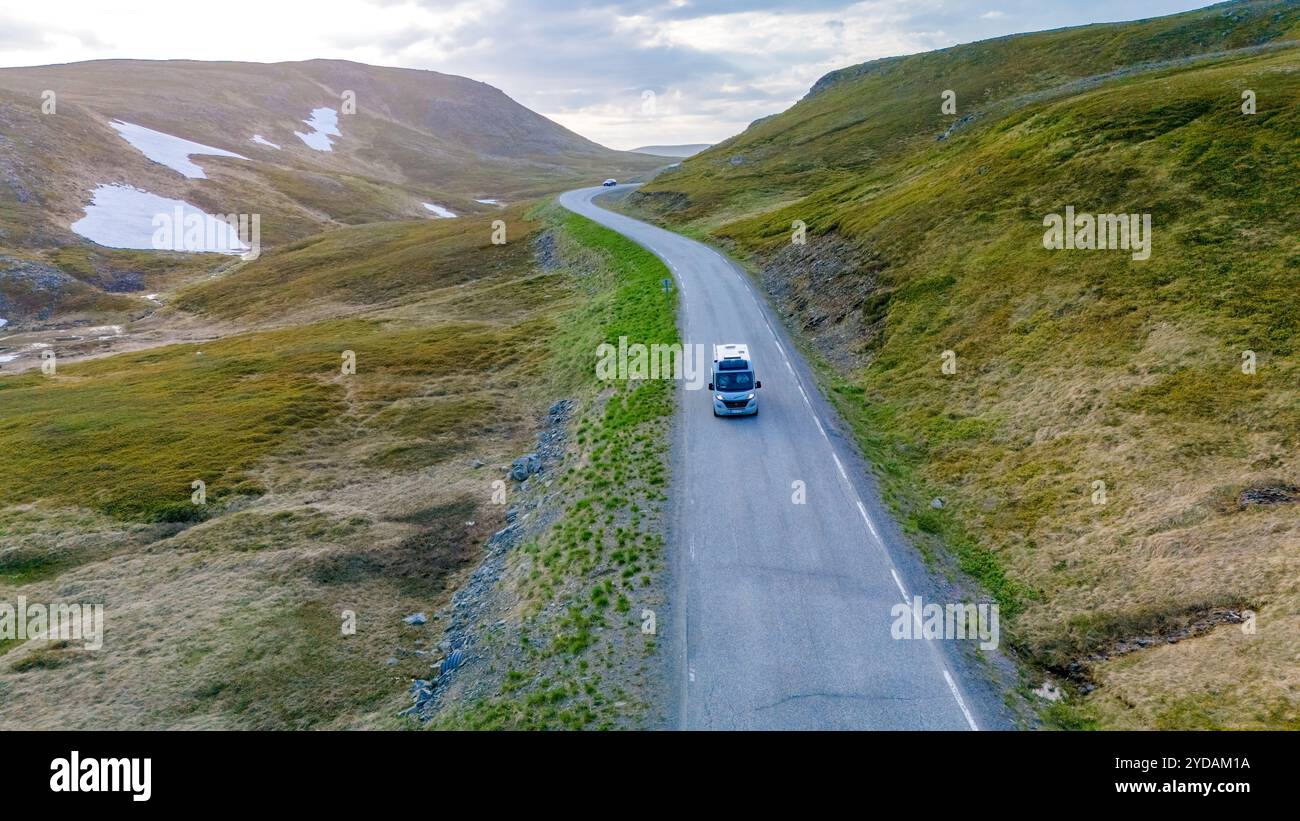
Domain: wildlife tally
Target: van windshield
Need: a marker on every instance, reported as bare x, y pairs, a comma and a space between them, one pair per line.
727, 381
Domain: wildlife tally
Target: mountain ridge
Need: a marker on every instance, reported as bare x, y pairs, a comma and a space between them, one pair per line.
419, 142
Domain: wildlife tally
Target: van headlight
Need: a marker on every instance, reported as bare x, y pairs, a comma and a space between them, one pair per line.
751, 396
718, 397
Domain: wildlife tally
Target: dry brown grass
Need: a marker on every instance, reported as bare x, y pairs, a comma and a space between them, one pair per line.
1073, 369
198, 623
235, 621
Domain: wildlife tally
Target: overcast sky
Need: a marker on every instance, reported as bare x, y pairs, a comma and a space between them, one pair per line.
712, 65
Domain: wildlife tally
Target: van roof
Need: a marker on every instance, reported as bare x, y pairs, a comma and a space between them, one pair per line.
735, 350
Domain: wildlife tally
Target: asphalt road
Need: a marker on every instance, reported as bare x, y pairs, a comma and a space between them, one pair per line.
784, 609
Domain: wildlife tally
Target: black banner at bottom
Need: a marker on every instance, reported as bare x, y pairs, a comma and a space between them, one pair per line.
147, 770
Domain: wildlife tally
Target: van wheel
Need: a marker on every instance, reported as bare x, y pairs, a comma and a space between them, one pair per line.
715, 411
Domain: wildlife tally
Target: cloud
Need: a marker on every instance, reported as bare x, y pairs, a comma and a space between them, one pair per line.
17, 35
712, 65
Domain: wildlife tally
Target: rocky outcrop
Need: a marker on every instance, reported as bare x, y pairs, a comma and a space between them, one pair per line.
475, 607
30, 289
830, 289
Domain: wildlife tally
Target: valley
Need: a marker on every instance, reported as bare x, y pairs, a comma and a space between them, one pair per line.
325, 384
259, 464
1082, 433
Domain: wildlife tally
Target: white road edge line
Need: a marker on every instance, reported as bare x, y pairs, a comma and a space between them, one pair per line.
906, 598
840, 465
947, 677
952, 685
866, 517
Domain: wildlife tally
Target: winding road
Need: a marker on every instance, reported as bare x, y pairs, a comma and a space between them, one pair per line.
782, 610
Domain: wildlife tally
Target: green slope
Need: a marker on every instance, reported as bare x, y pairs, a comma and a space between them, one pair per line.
857, 118
1073, 367
415, 137
373, 492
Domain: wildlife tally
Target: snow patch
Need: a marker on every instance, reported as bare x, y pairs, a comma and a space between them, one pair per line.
35, 346
120, 216
173, 152
439, 211
324, 124
489, 202
1048, 691
260, 140
3, 322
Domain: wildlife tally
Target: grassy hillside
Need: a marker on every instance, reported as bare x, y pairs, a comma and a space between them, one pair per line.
373, 492
582, 659
858, 119
418, 130
1073, 367
415, 137
359, 267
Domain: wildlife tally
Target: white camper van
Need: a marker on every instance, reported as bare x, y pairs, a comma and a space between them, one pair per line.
734, 387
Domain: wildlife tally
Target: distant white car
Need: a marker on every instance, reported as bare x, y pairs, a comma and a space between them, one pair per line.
609, 182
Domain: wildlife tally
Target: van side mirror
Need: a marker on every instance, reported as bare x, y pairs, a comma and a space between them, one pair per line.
758, 384
710, 386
